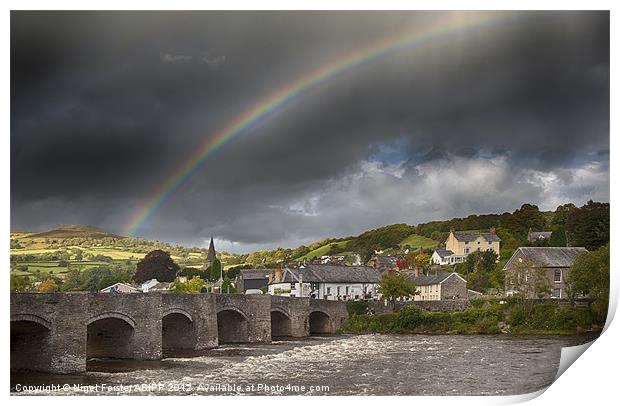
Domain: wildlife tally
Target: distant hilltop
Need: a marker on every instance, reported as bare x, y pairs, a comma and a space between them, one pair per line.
69, 231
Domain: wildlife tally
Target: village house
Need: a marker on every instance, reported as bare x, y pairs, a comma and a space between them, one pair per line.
438, 285
383, 263
252, 279
120, 288
538, 235
552, 263
460, 244
331, 282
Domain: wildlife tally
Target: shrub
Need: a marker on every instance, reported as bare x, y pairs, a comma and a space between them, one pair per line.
354, 307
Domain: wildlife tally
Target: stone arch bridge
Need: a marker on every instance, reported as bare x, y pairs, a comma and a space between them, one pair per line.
58, 332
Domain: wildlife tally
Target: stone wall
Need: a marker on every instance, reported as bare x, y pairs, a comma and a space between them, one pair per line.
453, 288
430, 305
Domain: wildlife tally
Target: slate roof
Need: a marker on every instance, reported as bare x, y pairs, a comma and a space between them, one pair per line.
432, 279
443, 253
247, 274
536, 235
549, 257
385, 260
466, 236
331, 274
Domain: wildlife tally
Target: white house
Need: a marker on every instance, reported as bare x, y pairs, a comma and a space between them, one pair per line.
120, 288
331, 282
153, 285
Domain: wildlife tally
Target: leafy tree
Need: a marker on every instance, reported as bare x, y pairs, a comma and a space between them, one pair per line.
528, 280
48, 286
193, 285
395, 286
21, 283
523, 219
589, 275
588, 226
158, 265
74, 280
215, 271
481, 271
98, 278
558, 237
561, 214
227, 286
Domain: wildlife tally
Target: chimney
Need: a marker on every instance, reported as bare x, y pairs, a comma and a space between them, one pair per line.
278, 276
452, 230
492, 230
270, 276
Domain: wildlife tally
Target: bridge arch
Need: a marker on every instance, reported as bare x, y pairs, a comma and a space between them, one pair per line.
232, 325
320, 322
30, 342
110, 335
177, 332
281, 325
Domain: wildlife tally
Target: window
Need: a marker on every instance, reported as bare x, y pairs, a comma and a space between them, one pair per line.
557, 277
329, 290
314, 285
467, 250
292, 285
347, 290
557, 293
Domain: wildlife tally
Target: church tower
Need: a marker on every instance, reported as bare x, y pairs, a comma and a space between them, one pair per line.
210, 255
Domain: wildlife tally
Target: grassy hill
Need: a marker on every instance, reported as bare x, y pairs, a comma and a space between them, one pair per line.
418, 241
323, 250
72, 231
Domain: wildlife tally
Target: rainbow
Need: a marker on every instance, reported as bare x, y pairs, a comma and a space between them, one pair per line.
277, 100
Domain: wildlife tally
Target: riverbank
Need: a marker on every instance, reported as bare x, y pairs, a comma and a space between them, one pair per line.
512, 317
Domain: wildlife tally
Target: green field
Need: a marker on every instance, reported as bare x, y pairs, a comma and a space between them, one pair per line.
417, 241
54, 267
322, 250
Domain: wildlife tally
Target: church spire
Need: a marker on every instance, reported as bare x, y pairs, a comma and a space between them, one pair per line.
211, 254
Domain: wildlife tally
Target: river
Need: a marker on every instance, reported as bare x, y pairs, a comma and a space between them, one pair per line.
373, 364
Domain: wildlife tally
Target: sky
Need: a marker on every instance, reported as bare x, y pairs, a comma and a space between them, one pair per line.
106, 105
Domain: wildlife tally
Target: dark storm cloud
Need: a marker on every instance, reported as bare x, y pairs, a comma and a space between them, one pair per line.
106, 105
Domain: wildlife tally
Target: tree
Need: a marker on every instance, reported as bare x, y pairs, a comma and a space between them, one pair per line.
48, 286
558, 237
561, 214
523, 219
528, 280
588, 226
215, 271
21, 283
227, 286
193, 285
158, 265
589, 276
395, 286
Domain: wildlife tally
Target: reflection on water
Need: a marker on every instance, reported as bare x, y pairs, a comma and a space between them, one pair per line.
338, 365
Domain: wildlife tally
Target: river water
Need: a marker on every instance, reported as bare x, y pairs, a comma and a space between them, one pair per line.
373, 364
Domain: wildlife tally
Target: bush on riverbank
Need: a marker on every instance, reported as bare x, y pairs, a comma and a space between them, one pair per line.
492, 319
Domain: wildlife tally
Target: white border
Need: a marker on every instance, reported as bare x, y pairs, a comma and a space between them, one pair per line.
592, 379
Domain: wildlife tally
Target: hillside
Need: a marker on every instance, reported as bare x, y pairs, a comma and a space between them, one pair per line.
70, 231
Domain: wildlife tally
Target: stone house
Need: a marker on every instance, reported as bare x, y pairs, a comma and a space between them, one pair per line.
460, 244
252, 279
331, 282
549, 264
438, 285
